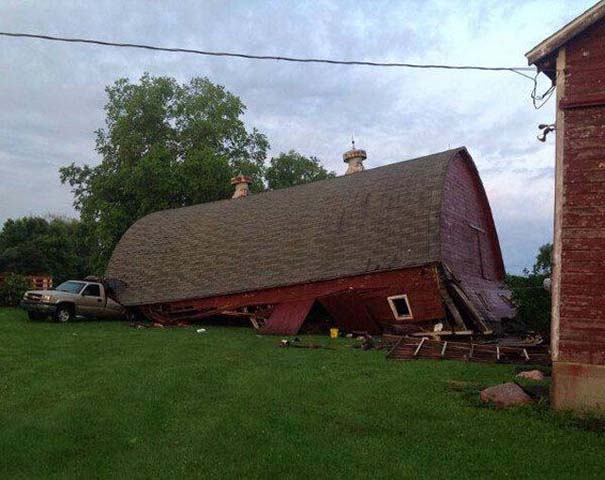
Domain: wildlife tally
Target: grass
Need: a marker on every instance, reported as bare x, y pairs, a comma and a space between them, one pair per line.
103, 400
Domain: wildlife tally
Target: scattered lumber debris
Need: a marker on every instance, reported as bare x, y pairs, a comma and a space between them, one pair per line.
297, 343
409, 348
169, 314
366, 342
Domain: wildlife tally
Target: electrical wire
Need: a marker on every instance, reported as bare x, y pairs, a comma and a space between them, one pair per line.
263, 57
518, 70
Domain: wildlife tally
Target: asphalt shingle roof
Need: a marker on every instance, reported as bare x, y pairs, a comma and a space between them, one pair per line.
384, 218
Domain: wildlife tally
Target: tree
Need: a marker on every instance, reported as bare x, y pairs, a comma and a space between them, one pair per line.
532, 300
164, 145
292, 168
12, 289
543, 265
55, 246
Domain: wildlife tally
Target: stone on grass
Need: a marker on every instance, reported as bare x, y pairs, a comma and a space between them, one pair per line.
505, 395
532, 375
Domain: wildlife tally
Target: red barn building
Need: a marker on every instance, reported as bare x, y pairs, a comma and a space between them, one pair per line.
574, 58
407, 245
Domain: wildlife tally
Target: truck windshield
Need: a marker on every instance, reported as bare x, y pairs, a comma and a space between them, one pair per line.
70, 287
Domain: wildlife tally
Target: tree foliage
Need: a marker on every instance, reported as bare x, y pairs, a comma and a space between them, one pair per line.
292, 168
164, 145
12, 289
532, 300
56, 246
543, 265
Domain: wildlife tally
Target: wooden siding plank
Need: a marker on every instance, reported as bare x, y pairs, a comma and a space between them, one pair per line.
287, 318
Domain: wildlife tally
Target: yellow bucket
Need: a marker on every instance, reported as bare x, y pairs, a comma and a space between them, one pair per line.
334, 333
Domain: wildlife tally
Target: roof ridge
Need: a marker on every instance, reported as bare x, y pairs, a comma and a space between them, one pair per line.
451, 151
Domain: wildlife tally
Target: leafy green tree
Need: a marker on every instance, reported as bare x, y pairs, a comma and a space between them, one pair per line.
543, 265
532, 300
164, 145
12, 289
55, 246
292, 168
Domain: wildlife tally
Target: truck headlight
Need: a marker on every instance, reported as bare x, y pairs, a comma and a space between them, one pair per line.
46, 298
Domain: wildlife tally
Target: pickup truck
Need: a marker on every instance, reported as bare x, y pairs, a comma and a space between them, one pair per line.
71, 299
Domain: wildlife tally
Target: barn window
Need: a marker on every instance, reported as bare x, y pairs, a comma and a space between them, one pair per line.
400, 307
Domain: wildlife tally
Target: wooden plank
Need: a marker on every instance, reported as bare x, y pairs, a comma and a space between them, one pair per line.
419, 346
287, 318
254, 322
395, 347
450, 305
443, 349
432, 334
477, 317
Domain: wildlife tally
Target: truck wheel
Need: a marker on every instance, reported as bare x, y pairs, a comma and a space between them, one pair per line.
35, 316
63, 314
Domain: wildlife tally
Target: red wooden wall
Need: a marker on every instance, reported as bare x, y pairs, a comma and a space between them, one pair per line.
469, 242
582, 281
370, 296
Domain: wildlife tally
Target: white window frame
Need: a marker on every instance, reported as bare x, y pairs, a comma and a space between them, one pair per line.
394, 308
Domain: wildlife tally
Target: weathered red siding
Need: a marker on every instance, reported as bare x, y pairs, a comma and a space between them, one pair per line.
419, 283
582, 281
469, 242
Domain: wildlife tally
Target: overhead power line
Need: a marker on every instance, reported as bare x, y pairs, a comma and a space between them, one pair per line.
264, 57
518, 70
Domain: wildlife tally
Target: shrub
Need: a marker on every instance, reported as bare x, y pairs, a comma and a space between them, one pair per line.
530, 297
12, 289
533, 302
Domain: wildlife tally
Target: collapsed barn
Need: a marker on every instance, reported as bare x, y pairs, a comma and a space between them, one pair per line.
407, 247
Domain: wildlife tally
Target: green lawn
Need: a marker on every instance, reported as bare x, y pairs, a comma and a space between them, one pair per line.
103, 400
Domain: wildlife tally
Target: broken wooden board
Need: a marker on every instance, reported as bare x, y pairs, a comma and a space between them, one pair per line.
459, 301
408, 348
287, 318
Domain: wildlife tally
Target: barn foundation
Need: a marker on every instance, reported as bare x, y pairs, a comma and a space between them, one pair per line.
578, 386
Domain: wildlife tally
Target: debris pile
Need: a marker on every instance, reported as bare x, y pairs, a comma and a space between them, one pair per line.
409, 348
297, 343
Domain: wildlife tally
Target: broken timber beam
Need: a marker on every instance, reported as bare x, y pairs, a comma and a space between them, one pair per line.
468, 304
450, 305
419, 346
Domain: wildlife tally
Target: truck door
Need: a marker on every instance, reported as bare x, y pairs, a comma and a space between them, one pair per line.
91, 304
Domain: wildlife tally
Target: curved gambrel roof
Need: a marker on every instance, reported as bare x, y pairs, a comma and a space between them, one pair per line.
382, 219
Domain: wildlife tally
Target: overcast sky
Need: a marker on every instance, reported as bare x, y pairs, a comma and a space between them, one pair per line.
52, 95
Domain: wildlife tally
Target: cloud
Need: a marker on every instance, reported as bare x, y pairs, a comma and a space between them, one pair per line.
53, 94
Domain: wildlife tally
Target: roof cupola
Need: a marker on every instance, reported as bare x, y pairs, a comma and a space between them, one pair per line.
354, 158
241, 183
